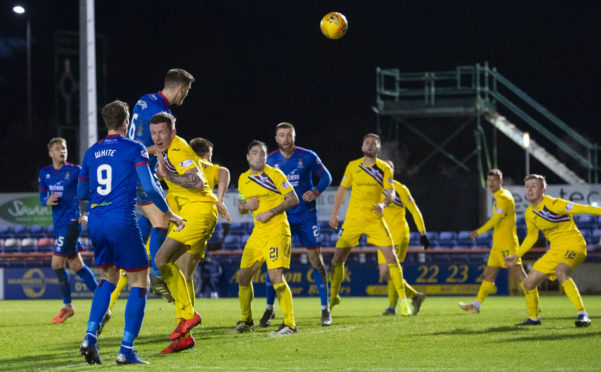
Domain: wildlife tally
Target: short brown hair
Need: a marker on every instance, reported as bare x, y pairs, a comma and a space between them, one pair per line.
285, 125
495, 172
372, 135
254, 143
538, 177
55, 140
201, 145
114, 114
178, 76
163, 117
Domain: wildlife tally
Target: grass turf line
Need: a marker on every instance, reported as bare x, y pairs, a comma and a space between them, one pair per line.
441, 337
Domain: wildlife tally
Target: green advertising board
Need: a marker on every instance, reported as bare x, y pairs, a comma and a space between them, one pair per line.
23, 209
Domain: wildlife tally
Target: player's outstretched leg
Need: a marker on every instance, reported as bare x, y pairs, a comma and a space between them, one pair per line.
573, 294
67, 309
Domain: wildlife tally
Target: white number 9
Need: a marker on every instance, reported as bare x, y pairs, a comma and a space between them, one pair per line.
104, 174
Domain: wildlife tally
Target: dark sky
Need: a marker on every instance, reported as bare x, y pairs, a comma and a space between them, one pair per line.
261, 62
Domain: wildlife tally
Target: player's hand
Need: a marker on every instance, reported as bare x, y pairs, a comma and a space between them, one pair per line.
52, 199
334, 221
474, 234
83, 220
264, 216
379, 208
511, 260
252, 203
223, 212
161, 167
177, 220
310, 195
423, 240
153, 150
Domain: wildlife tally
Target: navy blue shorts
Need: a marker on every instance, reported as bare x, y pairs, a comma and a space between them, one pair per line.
143, 198
307, 229
117, 242
65, 239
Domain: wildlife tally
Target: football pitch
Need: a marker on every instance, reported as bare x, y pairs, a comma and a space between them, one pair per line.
442, 337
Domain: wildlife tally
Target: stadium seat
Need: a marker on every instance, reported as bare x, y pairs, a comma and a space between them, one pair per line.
588, 236
11, 245
484, 240
333, 239
28, 245
433, 237
325, 239
520, 220
522, 231
6, 232
447, 239
464, 240
232, 242
45, 245
37, 231
414, 239
586, 221
20, 231
596, 237
50, 230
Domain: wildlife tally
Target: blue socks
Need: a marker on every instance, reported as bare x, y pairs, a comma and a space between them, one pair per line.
86, 275
321, 284
269, 291
134, 315
63, 282
157, 237
102, 297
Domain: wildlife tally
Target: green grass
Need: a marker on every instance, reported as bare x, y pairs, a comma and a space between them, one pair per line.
441, 337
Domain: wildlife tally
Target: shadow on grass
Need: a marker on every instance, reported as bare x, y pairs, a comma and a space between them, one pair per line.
69, 357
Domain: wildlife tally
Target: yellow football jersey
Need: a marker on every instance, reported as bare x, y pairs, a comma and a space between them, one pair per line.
395, 213
210, 172
179, 158
553, 216
503, 220
368, 184
269, 187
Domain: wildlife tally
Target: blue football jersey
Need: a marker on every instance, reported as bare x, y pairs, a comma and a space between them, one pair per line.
300, 169
109, 167
139, 127
64, 183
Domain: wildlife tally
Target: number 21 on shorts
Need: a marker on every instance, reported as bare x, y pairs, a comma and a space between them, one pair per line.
273, 253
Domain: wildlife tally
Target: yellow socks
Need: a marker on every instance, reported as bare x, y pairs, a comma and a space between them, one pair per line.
337, 276
245, 296
572, 292
176, 282
120, 285
393, 296
285, 299
396, 277
486, 288
531, 302
191, 292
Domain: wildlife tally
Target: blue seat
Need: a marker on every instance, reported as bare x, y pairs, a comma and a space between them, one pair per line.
484, 240
414, 239
333, 239
522, 231
520, 220
588, 236
20, 231
586, 221
596, 237
6, 231
464, 240
50, 230
433, 238
447, 239
37, 231
232, 242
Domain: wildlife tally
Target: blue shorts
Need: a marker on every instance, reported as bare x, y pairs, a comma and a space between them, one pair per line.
65, 239
307, 229
143, 198
117, 243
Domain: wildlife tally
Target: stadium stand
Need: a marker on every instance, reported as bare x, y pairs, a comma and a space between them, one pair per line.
484, 240
28, 245
447, 239
6, 232
464, 240
11, 245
